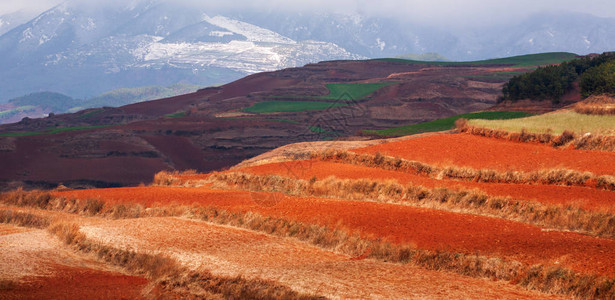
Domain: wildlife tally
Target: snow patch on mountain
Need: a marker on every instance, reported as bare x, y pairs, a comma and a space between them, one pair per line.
242, 56
251, 32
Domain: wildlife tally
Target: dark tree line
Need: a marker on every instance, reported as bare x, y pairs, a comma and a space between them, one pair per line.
599, 80
552, 82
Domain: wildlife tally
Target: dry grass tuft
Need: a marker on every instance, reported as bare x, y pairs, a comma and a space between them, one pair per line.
596, 105
165, 178
22, 198
23, 219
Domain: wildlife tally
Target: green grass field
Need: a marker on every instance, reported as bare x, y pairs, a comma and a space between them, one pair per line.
51, 131
337, 91
446, 123
554, 123
352, 91
289, 106
530, 60
180, 114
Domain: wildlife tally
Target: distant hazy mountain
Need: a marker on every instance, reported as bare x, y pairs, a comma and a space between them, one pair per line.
380, 37
83, 50
12, 20
40, 104
545, 32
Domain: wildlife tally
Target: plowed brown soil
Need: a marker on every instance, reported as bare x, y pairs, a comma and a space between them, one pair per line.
231, 252
425, 228
488, 153
581, 197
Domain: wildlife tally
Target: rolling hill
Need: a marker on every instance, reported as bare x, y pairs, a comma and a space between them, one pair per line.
218, 127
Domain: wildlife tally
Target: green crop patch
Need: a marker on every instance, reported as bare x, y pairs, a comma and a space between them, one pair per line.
352, 91
290, 106
447, 123
180, 114
346, 91
51, 131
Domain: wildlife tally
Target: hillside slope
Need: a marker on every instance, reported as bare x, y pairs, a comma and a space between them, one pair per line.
218, 127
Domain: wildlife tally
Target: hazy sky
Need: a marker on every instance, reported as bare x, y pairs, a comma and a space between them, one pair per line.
430, 11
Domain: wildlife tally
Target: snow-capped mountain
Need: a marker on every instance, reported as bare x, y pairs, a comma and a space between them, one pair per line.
82, 50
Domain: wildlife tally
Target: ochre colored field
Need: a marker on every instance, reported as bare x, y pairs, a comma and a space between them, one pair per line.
581, 197
423, 228
477, 152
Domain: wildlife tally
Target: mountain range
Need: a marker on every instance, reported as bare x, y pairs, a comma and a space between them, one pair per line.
83, 50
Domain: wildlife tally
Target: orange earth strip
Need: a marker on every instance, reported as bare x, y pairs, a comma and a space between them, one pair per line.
580, 197
228, 251
426, 228
478, 152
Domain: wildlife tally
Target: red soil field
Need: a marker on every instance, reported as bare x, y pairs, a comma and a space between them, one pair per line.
425, 228
489, 153
581, 197
76, 283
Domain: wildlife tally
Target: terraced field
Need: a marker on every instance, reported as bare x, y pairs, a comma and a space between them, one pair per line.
401, 219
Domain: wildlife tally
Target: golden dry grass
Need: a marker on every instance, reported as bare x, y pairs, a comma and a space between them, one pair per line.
554, 123
596, 105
